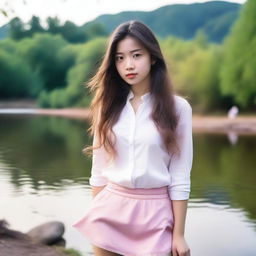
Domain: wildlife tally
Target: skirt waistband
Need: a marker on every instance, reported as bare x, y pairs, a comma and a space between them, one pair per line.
140, 193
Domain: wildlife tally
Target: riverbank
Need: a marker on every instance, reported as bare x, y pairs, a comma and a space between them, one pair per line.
243, 124
220, 124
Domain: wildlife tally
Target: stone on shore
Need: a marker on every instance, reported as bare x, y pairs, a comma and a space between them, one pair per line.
15, 243
48, 233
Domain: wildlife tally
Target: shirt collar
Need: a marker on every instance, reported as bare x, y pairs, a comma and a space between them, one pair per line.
143, 97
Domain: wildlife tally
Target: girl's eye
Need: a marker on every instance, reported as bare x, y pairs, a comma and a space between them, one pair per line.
136, 55
118, 58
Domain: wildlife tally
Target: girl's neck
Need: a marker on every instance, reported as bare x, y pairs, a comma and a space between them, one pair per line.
138, 92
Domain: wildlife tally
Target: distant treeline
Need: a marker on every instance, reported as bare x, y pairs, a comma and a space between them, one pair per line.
52, 69
69, 31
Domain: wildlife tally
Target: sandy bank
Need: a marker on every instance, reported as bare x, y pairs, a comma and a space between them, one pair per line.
241, 124
77, 113
207, 124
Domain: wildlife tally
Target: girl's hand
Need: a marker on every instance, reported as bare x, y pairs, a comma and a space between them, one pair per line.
96, 190
180, 247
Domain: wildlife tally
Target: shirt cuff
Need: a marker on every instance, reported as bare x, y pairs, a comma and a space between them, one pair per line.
98, 181
178, 195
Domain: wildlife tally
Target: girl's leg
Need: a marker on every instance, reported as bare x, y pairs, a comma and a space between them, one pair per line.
102, 252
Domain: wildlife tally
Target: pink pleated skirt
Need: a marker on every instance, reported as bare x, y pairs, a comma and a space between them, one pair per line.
128, 221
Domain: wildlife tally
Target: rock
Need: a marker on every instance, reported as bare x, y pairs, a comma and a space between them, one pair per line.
61, 242
15, 243
15, 247
5, 232
47, 233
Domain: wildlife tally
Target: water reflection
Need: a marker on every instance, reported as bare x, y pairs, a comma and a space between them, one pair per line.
43, 148
44, 174
223, 173
232, 137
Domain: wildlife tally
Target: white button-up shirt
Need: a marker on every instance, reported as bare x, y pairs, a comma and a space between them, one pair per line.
142, 160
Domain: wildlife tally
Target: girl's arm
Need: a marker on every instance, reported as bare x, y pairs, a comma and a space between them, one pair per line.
179, 189
179, 245
179, 214
96, 190
181, 164
97, 180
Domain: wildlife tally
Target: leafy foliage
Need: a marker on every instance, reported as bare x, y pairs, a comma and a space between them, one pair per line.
194, 67
87, 57
16, 77
69, 31
238, 72
47, 67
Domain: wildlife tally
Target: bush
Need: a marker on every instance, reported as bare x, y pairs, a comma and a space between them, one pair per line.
16, 78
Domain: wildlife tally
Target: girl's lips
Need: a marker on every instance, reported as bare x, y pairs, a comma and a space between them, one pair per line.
131, 75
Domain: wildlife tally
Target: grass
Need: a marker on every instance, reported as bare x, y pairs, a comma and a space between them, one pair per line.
70, 252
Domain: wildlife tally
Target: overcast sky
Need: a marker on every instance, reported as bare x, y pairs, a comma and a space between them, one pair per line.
81, 11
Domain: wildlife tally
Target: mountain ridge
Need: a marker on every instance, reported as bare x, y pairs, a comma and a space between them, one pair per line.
180, 20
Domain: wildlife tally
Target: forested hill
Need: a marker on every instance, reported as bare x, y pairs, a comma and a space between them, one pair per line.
181, 20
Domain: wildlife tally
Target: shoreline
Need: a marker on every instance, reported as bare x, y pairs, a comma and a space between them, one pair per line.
207, 124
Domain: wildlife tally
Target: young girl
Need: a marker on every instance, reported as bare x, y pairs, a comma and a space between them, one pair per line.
142, 151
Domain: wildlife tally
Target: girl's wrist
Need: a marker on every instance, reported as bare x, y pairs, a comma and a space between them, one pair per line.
178, 235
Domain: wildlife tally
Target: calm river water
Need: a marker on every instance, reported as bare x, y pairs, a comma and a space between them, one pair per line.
44, 177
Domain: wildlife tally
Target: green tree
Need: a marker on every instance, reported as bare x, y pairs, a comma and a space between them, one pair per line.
238, 71
194, 68
72, 33
95, 29
42, 53
17, 80
86, 64
8, 45
74, 94
35, 26
17, 29
201, 38
54, 26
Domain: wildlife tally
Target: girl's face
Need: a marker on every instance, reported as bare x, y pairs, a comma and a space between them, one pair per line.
133, 62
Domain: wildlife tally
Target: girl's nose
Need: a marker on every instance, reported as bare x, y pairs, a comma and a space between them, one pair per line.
129, 64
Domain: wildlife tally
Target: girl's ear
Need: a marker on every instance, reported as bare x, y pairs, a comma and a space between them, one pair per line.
153, 62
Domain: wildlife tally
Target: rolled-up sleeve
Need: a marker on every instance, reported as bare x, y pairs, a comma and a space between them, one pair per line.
99, 161
181, 164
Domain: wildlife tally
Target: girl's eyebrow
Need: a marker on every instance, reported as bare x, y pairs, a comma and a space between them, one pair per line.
136, 50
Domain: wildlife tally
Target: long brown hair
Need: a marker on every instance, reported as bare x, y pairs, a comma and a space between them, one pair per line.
111, 91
